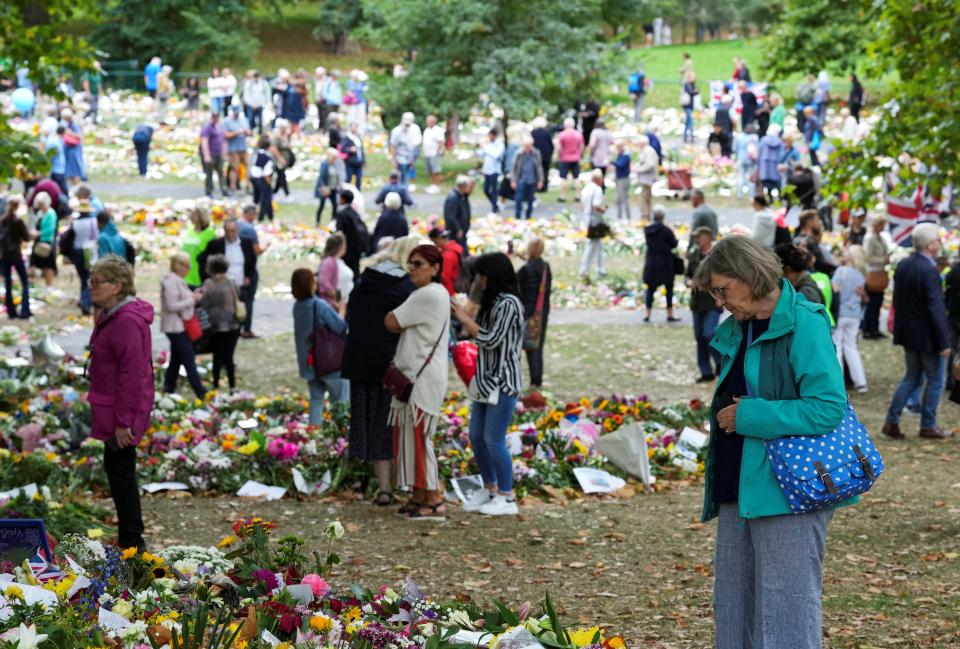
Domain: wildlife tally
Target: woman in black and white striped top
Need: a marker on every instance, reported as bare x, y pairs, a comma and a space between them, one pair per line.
497, 383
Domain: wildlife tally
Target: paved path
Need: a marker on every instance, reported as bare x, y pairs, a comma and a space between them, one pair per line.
677, 211
272, 317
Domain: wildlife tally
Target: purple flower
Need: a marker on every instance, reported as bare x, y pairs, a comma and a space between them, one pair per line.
267, 578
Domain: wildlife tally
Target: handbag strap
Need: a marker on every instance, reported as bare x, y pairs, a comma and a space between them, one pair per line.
542, 292
443, 330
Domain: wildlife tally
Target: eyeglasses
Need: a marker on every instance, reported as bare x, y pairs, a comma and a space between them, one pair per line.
95, 283
720, 292
416, 264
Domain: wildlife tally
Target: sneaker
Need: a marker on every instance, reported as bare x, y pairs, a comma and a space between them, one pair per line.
477, 500
499, 506
433, 189
862, 389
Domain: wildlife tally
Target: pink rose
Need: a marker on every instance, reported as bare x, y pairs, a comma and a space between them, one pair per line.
317, 583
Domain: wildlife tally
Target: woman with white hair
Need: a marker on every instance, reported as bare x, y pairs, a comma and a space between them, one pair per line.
44, 255
647, 165
391, 222
658, 264
570, 144
592, 209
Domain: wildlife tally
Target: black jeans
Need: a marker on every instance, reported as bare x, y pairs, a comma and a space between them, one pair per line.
121, 469
871, 315
223, 344
334, 199
8, 268
354, 171
281, 182
181, 353
263, 196
535, 363
248, 293
491, 188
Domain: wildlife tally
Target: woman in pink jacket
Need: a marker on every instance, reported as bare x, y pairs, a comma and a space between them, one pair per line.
121, 386
177, 303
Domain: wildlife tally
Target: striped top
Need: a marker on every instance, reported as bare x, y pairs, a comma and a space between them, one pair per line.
500, 341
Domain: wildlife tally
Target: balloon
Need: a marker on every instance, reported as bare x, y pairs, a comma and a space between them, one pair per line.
23, 100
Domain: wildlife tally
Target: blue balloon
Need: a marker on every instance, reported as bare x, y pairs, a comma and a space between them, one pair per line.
23, 100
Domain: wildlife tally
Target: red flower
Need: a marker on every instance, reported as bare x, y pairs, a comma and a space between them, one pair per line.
289, 622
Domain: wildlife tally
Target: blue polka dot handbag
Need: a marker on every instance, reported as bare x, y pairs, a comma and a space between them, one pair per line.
818, 471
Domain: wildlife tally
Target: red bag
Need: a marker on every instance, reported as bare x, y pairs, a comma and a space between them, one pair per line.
192, 328
70, 138
465, 360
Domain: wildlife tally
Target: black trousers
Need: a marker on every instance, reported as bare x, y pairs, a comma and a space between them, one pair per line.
535, 363
281, 182
181, 353
121, 469
223, 344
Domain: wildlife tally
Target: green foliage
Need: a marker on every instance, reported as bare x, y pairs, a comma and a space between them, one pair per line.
336, 20
526, 56
181, 32
920, 41
815, 35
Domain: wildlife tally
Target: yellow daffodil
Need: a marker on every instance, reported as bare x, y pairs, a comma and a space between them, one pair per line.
249, 448
584, 637
128, 553
353, 614
321, 623
13, 592
227, 541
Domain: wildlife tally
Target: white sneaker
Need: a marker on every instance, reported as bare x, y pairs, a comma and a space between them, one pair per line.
499, 506
412, 187
862, 389
477, 500
433, 189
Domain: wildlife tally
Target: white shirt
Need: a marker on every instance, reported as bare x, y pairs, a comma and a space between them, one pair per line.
229, 86
433, 139
216, 87
256, 92
492, 154
590, 197
764, 228
234, 254
425, 317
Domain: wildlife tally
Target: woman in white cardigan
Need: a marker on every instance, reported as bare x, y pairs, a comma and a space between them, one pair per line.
177, 303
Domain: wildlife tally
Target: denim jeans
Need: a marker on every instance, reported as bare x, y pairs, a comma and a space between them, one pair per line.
8, 268
263, 196
404, 171
704, 325
525, 192
181, 353
355, 171
254, 117
769, 580
488, 437
79, 262
143, 150
920, 365
491, 189
688, 123
216, 104
338, 388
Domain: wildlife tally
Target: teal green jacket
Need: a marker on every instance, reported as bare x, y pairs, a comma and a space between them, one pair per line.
794, 371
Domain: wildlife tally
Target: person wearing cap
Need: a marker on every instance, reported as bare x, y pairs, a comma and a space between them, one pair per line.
394, 185
391, 222
211, 153
404, 140
451, 252
236, 129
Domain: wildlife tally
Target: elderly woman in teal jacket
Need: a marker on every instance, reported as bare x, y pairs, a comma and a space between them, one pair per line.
780, 377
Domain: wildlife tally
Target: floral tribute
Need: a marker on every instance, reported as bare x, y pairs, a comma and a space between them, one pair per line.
252, 592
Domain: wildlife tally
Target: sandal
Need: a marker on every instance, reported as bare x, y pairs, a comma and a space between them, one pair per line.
433, 515
384, 499
408, 508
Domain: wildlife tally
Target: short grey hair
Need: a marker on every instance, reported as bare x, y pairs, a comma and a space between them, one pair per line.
41, 199
464, 181
659, 213
743, 259
179, 258
392, 201
569, 122
925, 234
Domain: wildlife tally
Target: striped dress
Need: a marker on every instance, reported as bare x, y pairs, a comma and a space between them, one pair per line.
500, 341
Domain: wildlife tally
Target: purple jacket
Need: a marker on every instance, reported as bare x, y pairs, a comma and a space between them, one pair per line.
121, 371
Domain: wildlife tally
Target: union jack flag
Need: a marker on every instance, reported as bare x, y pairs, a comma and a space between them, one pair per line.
903, 214
42, 570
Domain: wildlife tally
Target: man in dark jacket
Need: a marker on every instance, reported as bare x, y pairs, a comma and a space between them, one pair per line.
531, 277
229, 242
349, 223
920, 325
543, 142
456, 210
395, 186
706, 314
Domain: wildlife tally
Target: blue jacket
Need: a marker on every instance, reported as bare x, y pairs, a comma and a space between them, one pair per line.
308, 315
768, 157
390, 224
109, 242
405, 197
919, 312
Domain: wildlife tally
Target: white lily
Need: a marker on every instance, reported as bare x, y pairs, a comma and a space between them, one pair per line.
28, 638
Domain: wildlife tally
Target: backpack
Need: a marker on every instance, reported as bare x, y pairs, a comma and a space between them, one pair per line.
67, 240
129, 252
636, 82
